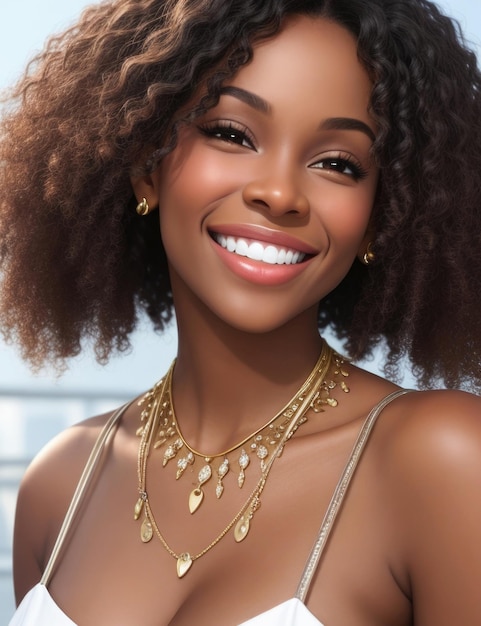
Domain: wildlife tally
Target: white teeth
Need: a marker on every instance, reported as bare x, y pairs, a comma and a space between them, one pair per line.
259, 252
242, 247
271, 255
255, 251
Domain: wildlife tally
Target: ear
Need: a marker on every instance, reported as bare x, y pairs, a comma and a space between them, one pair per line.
146, 187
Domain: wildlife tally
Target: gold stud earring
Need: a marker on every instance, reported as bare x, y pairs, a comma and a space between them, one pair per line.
143, 207
369, 257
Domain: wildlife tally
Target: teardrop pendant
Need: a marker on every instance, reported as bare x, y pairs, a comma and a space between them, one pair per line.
197, 495
184, 563
138, 508
241, 529
146, 531
195, 499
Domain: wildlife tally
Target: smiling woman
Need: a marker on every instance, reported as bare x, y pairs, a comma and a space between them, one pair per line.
258, 168
268, 170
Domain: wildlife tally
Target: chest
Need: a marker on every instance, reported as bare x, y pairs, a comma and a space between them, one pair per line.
129, 581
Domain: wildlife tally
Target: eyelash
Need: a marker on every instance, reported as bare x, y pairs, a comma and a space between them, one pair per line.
238, 134
229, 132
340, 162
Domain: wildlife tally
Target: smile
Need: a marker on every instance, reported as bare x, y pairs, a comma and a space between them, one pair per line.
259, 251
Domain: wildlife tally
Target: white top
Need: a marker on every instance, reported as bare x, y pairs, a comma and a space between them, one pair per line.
38, 608
290, 613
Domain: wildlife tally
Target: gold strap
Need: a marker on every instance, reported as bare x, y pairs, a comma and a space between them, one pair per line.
81, 489
339, 493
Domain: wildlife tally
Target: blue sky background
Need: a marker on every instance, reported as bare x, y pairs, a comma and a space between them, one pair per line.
24, 26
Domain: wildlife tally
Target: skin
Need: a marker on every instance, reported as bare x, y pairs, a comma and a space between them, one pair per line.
410, 525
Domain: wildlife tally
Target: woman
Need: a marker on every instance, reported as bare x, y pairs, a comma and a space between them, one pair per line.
309, 163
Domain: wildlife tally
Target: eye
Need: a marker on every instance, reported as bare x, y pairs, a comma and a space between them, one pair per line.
228, 131
342, 164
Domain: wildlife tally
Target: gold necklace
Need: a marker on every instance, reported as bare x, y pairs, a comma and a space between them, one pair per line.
313, 394
259, 444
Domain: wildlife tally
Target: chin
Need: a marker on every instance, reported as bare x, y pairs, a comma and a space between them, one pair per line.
265, 320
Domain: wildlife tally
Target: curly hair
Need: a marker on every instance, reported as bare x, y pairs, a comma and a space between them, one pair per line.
78, 263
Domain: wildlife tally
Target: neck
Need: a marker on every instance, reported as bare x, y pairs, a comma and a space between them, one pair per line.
228, 383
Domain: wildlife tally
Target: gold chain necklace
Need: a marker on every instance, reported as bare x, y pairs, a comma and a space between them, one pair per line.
313, 394
258, 444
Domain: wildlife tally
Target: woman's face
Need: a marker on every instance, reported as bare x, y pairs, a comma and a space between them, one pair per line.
266, 199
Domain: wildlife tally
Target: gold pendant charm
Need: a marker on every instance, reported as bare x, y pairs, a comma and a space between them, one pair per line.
244, 461
184, 563
262, 454
138, 508
183, 463
171, 451
241, 529
222, 470
195, 499
197, 495
146, 531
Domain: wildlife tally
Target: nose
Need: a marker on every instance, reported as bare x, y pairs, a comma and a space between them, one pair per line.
278, 194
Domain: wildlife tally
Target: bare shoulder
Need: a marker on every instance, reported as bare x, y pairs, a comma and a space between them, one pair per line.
429, 469
61, 459
435, 427
44, 495
429, 438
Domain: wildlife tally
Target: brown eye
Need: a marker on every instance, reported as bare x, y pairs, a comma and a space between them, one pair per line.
229, 133
343, 166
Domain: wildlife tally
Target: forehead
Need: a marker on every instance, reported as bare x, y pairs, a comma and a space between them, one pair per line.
311, 61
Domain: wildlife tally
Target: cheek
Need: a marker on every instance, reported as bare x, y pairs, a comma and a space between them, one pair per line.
192, 181
346, 216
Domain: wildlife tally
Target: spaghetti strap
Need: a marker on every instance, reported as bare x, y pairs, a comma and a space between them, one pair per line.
80, 490
339, 493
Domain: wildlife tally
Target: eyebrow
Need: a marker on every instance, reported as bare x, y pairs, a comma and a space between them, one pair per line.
333, 123
347, 123
256, 102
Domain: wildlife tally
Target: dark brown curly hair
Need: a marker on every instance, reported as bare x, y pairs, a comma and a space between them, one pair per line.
76, 261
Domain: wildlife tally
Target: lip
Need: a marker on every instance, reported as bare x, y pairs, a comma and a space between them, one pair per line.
261, 233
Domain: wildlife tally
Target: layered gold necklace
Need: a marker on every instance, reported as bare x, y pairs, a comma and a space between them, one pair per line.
160, 430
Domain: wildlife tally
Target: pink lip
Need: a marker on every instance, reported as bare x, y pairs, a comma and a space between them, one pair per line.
260, 233
256, 271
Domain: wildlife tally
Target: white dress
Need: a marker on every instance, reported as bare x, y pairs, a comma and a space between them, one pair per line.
38, 608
